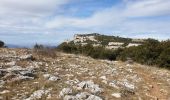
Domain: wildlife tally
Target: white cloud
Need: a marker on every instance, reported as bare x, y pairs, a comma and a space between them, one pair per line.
20, 16
29, 7
145, 8
101, 19
44, 17
124, 19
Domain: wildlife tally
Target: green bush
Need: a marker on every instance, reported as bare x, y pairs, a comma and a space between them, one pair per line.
152, 52
2, 43
88, 50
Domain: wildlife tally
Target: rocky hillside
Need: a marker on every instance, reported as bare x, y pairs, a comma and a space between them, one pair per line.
110, 42
24, 75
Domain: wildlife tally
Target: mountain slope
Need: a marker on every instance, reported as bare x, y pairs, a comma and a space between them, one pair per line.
110, 42
26, 75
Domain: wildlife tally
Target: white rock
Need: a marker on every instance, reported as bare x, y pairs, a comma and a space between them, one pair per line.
46, 76
93, 97
113, 84
127, 84
38, 94
4, 92
25, 78
54, 78
65, 91
117, 95
70, 97
94, 88
83, 95
15, 68
12, 63
27, 72
24, 57
72, 82
51, 77
104, 81
103, 77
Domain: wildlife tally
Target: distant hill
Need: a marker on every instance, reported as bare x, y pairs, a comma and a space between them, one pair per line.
110, 42
145, 51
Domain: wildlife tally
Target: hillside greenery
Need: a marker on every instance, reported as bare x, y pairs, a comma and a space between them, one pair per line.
104, 39
88, 50
152, 52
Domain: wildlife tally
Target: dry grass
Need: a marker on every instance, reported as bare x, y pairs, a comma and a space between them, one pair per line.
45, 52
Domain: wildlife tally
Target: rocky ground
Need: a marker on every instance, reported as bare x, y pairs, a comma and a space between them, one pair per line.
24, 75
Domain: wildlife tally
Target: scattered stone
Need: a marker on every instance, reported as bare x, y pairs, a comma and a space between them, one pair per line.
46, 76
127, 84
14, 68
104, 81
51, 77
70, 97
103, 77
151, 86
38, 94
116, 95
26, 57
93, 88
83, 95
126, 79
20, 78
93, 97
72, 82
12, 63
113, 84
54, 78
65, 91
5, 91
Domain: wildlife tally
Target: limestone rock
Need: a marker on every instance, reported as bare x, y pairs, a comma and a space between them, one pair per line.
116, 95
65, 91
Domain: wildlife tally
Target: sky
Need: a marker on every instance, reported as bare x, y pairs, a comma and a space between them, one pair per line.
26, 22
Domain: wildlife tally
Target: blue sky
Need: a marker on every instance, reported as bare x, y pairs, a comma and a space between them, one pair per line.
53, 21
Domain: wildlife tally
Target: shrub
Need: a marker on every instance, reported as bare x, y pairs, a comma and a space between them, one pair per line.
88, 50
152, 52
1, 43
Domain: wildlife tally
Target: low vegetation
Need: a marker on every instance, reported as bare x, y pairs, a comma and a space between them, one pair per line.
88, 50
1, 43
152, 52
104, 39
42, 50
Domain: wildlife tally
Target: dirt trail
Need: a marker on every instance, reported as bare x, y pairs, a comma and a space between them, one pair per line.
155, 89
